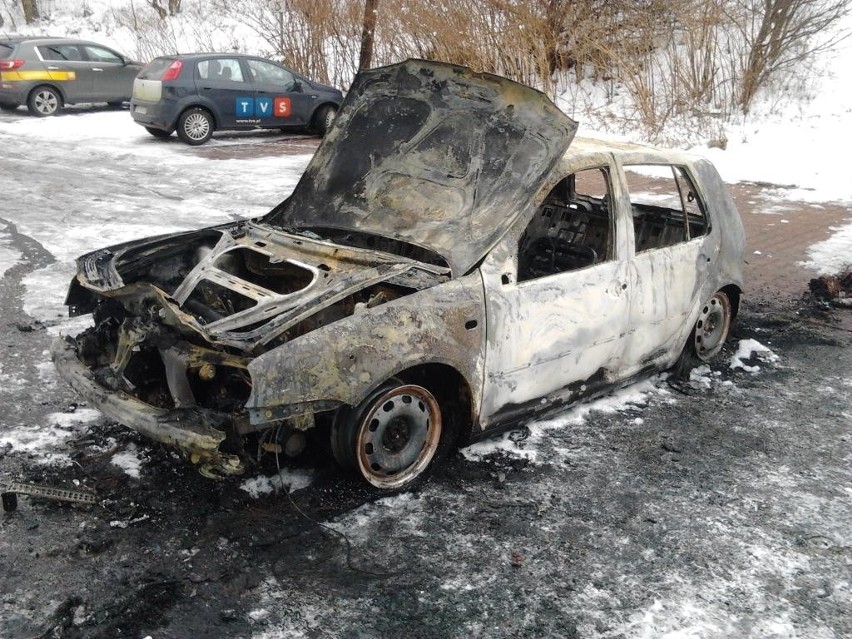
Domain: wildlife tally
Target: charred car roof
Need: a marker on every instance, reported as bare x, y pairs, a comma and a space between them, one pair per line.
433, 155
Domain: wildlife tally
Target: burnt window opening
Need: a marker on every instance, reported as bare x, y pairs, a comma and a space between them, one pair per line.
356, 239
573, 228
282, 277
666, 206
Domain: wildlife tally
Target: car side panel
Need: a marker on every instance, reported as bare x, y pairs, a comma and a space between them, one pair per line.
343, 362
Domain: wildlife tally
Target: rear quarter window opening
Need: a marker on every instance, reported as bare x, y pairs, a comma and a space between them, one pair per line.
666, 206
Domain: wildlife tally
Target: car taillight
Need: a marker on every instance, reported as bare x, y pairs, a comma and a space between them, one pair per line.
10, 65
173, 72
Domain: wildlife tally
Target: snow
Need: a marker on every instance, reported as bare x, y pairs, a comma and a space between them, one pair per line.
129, 461
749, 349
530, 445
46, 440
288, 479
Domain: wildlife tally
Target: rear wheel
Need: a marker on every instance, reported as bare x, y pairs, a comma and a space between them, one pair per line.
195, 126
324, 118
392, 437
709, 334
44, 101
712, 327
158, 133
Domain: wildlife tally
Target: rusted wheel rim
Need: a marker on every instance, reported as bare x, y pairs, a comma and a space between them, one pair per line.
398, 436
711, 328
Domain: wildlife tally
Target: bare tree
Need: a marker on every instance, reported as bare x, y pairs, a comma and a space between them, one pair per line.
171, 8
31, 12
371, 10
781, 33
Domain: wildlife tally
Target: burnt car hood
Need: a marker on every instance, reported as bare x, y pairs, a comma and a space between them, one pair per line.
431, 154
241, 285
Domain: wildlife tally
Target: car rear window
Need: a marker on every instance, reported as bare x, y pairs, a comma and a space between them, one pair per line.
155, 69
6, 50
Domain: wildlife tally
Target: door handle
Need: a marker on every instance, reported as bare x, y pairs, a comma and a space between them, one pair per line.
97, 69
53, 68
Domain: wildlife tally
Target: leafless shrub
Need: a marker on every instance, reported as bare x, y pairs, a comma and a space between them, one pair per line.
779, 34
663, 60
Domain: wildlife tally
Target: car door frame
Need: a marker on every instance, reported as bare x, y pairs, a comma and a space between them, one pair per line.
221, 96
562, 310
113, 83
74, 90
667, 284
301, 97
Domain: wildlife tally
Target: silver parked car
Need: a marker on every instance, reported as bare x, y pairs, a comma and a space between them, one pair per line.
452, 262
46, 73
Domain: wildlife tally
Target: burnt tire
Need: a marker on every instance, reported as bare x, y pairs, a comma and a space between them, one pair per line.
324, 118
195, 126
392, 437
44, 101
708, 335
157, 133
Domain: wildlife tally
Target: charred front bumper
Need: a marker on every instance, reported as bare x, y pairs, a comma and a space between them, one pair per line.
196, 431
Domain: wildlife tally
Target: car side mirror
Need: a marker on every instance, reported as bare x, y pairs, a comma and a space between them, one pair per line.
297, 86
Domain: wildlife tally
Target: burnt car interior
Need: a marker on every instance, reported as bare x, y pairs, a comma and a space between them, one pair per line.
666, 210
572, 229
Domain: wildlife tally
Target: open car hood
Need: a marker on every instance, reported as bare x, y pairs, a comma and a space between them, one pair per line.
431, 154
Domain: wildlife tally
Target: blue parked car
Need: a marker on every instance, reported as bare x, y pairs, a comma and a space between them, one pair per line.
198, 94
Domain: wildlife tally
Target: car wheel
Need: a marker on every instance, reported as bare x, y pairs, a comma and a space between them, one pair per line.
44, 101
158, 133
324, 118
195, 126
392, 437
709, 334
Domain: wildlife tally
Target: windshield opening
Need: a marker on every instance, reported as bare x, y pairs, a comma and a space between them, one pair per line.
362, 240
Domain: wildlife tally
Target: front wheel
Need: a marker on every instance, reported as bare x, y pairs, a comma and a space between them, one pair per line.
392, 437
195, 126
44, 101
324, 118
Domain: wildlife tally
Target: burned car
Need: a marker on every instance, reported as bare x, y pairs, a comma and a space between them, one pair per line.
451, 262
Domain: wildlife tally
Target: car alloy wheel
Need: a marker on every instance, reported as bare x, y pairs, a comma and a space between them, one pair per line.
324, 119
195, 126
43, 102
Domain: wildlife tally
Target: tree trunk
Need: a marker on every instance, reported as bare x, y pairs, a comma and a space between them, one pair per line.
371, 9
30, 8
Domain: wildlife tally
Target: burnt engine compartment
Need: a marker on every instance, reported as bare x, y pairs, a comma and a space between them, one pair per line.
170, 368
